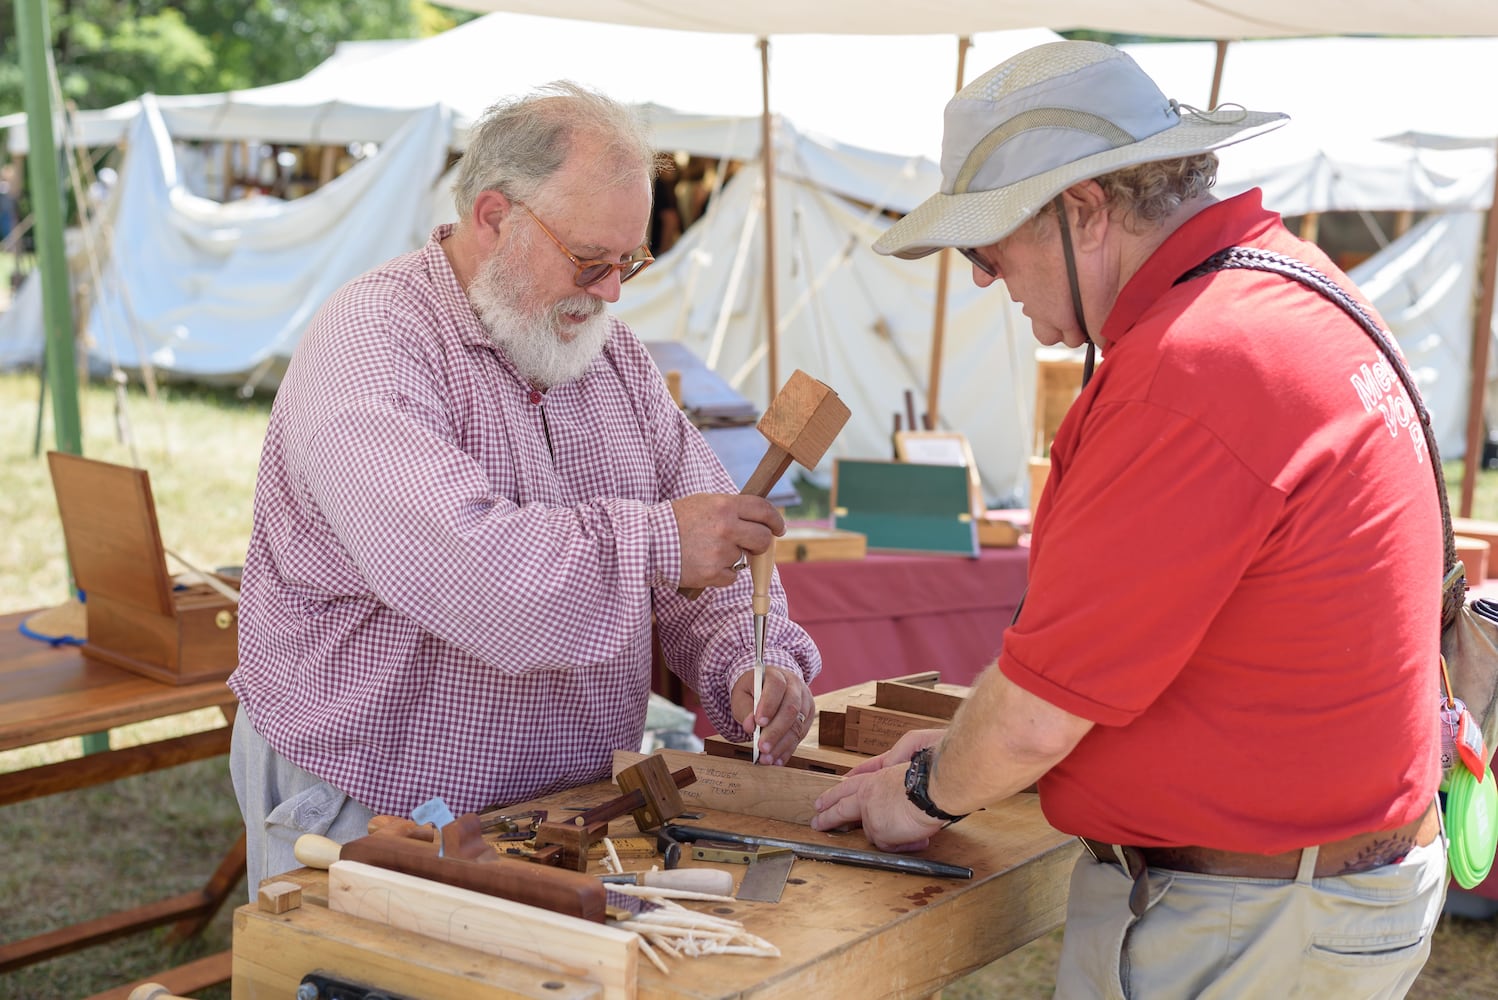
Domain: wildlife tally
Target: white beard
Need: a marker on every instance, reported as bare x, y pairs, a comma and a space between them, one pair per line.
532, 336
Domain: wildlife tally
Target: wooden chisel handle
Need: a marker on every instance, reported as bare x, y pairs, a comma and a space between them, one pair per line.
761, 568
714, 881
316, 851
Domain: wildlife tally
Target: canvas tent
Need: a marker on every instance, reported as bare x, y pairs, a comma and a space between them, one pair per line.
223, 291
989, 398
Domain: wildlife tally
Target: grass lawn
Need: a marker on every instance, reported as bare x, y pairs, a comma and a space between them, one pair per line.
89, 853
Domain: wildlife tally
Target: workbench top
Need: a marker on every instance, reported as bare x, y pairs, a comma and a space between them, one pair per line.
841, 930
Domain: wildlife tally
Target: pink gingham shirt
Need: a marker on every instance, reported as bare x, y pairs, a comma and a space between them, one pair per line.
437, 603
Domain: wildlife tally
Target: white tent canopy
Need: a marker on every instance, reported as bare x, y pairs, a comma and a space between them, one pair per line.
1176, 18
215, 303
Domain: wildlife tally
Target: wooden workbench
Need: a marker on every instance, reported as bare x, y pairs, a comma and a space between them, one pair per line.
842, 931
54, 692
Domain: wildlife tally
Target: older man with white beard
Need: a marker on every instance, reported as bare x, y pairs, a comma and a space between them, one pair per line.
474, 495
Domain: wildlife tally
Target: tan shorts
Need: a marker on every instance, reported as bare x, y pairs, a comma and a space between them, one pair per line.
1213, 937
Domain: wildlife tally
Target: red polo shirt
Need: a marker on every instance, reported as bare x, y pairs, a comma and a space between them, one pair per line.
1236, 564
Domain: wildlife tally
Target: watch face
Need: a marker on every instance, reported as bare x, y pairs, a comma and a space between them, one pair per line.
915, 775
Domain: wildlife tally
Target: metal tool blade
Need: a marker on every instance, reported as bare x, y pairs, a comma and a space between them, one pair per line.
759, 676
764, 880
433, 811
683, 834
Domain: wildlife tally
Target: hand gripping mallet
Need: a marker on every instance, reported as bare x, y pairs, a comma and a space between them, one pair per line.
800, 424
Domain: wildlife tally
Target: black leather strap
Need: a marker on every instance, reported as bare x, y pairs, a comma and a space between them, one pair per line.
1454, 587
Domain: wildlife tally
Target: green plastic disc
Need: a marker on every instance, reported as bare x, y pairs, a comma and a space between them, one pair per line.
1471, 824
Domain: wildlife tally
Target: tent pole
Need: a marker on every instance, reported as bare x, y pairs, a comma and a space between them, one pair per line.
46, 209
1482, 333
939, 323
1222, 58
767, 160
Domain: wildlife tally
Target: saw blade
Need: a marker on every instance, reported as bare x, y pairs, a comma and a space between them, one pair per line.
765, 879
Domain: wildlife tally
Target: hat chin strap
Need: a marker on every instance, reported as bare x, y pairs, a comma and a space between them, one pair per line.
1090, 361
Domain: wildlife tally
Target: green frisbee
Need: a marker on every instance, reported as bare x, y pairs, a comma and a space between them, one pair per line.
1471, 824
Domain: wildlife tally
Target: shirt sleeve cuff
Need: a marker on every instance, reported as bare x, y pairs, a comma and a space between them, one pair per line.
665, 546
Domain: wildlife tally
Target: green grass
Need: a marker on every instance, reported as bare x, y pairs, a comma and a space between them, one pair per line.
90, 853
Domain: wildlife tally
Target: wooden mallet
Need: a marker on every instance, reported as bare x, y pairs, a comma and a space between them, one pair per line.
800, 424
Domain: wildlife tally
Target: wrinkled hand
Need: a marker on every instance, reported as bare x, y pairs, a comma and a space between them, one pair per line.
786, 710
715, 529
901, 752
877, 799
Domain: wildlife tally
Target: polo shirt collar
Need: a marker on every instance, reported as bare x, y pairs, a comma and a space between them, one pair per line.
1237, 220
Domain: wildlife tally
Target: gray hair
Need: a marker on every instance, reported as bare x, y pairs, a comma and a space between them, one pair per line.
1151, 192
1148, 193
519, 143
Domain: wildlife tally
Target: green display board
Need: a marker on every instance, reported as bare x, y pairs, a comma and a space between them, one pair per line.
905, 507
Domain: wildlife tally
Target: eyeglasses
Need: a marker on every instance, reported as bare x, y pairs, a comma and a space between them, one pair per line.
971, 253
591, 272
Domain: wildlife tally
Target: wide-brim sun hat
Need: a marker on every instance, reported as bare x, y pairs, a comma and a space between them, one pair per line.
1048, 118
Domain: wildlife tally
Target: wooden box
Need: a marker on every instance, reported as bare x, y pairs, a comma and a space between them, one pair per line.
137, 619
1058, 382
905, 506
812, 544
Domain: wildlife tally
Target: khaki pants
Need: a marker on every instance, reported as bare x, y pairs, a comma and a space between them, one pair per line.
1214, 937
280, 802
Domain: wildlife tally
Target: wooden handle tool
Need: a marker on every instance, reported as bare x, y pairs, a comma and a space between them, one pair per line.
761, 568
713, 881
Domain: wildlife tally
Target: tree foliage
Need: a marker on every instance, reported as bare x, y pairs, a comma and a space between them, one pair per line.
108, 51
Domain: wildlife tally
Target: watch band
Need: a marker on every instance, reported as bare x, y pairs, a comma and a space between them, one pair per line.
917, 780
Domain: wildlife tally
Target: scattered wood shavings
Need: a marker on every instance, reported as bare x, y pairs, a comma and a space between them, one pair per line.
656, 892
682, 933
612, 862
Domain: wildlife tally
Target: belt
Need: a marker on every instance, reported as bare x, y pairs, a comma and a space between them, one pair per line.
1358, 853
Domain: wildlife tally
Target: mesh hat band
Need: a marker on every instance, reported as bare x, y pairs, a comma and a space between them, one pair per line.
1067, 118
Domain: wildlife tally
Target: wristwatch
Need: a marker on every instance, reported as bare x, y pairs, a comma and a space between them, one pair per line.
916, 779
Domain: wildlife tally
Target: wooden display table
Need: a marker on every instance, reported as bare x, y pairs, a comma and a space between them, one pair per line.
841, 930
50, 693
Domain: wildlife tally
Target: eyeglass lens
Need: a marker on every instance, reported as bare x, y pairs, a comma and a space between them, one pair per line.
598, 270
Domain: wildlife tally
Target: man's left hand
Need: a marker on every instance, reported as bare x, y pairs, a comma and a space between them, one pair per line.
785, 711
877, 800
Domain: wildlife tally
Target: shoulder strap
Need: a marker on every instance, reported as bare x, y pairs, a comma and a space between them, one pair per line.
1454, 587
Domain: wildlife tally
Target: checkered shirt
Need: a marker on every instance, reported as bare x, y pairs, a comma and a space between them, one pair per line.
451, 576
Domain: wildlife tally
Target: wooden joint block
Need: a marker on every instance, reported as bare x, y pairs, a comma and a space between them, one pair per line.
916, 700
830, 727
874, 730
278, 897
574, 841
652, 779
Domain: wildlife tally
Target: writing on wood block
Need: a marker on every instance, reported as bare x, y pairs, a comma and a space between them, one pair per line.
729, 785
875, 730
278, 897
916, 699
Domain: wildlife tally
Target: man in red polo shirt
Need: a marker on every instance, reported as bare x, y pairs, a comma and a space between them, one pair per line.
1224, 677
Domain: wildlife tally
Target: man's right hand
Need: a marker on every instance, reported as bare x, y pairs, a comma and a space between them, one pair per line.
715, 529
